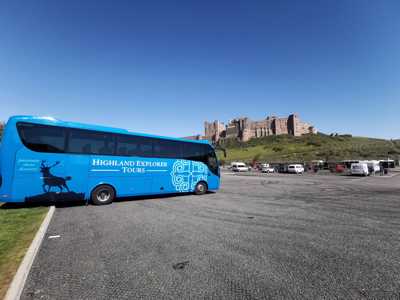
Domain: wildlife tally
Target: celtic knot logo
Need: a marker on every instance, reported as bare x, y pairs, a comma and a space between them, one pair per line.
186, 174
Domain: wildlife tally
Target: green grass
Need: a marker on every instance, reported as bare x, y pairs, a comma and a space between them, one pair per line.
309, 147
18, 227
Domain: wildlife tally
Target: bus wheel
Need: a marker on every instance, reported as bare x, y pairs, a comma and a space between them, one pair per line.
103, 194
201, 188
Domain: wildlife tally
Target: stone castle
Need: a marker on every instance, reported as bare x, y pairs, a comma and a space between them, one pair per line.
244, 129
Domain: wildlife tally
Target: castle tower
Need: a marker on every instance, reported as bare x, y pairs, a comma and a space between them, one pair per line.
293, 124
244, 129
213, 130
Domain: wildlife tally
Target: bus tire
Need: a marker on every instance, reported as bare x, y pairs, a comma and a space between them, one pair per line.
201, 188
103, 194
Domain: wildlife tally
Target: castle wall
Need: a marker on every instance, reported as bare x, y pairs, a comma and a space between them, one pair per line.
232, 131
244, 129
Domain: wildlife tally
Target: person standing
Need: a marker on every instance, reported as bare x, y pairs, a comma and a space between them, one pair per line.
381, 170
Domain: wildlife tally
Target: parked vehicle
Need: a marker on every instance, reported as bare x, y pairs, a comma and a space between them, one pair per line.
388, 163
239, 167
296, 169
317, 165
340, 168
348, 163
233, 164
359, 169
282, 168
44, 159
373, 166
268, 170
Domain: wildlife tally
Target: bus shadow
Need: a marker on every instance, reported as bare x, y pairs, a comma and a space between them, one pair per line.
42, 203
154, 197
56, 197
60, 201
48, 199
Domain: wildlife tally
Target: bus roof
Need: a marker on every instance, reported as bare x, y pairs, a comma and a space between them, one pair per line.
56, 122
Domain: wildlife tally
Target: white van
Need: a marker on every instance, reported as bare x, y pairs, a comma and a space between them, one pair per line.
234, 163
359, 169
297, 169
239, 167
373, 166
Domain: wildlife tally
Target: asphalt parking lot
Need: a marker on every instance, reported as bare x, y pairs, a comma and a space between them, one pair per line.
259, 237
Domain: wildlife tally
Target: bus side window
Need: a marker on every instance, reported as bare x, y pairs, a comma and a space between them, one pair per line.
145, 147
90, 142
212, 161
193, 151
131, 145
87, 149
122, 151
42, 138
127, 146
167, 148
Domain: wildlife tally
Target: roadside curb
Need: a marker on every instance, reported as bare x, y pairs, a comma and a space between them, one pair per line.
17, 285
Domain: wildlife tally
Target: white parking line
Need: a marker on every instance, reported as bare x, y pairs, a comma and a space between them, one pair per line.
54, 236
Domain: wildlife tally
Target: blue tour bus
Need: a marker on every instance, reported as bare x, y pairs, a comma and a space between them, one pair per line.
42, 158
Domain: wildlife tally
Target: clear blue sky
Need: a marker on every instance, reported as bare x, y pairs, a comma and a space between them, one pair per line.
164, 67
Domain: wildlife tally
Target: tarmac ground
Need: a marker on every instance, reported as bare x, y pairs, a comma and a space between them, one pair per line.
272, 236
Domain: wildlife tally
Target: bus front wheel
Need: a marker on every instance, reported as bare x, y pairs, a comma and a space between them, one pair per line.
201, 188
103, 194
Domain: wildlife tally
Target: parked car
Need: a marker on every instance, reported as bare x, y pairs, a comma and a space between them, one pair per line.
233, 164
239, 167
359, 169
268, 170
340, 168
296, 169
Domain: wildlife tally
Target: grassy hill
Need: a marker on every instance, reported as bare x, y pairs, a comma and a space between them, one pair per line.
285, 148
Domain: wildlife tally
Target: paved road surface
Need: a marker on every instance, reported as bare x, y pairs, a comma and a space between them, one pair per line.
267, 237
